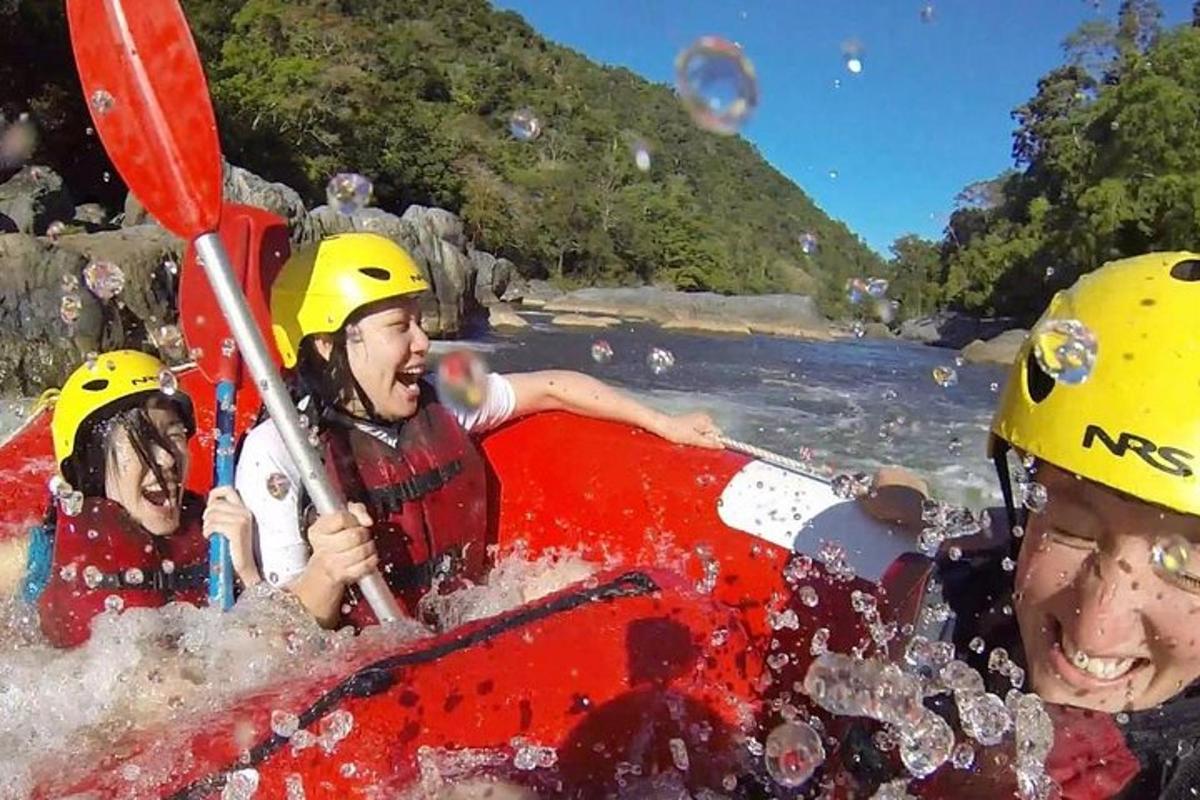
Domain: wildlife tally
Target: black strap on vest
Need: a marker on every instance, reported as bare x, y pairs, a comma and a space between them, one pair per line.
177, 580
391, 498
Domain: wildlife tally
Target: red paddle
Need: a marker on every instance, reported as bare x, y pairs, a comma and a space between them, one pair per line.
148, 98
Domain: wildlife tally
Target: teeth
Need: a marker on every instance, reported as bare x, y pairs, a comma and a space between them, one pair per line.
1103, 668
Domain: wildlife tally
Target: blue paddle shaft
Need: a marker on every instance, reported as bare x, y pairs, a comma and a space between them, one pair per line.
220, 565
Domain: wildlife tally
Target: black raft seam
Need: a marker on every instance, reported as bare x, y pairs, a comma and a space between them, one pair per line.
375, 678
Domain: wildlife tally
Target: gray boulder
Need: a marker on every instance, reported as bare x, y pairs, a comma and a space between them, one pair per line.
953, 328
32, 199
1002, 349
243, 186
445, 225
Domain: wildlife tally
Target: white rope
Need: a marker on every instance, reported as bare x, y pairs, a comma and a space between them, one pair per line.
774, 459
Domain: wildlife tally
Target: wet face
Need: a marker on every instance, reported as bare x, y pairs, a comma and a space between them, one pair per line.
133, 483
1102, 627
386, 349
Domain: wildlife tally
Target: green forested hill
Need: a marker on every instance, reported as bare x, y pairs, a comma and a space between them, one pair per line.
1107, 165
417, 96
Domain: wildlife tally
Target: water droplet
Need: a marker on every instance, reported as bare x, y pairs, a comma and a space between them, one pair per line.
792, 753
530, 756
278, 484
69, 308
168, 384
68, 572
984, 717
659, 360
171, 267
852, 56
925, 746
641, 155
228, 347
833, 174
348, 192
717, 84
284, 723
945, 376
977, 645
1170, 557
196, 353
55, 229
168, 566
102, 102
927, 13
92, 576
808, 596
995, 387
240, 785
104, 279
809, 243
462, 379
856, 290
1007, 564
852, 486
962, 756
1034, 497
113, 603
877, 287
134, 576
1065, 349
602, 351
679, 754
858, 329
171, 345
71, 503
854, 64
524, 125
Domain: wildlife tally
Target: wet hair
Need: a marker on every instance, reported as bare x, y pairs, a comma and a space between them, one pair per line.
87, 468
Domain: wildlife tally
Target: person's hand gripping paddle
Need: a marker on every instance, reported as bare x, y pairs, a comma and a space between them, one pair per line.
257, 244
147, 95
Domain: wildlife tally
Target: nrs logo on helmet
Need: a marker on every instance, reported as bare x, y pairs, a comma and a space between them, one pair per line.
1146, 450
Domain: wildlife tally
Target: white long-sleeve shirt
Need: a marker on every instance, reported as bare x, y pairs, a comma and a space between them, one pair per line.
269, 483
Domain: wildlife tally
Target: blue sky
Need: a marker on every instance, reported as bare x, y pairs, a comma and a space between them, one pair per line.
928, 114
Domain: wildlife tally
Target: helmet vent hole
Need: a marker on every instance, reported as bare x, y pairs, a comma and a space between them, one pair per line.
1040, 384
1186, 271
97, 385
378, 273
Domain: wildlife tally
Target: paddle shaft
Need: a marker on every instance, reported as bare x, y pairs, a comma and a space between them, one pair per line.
220, 565
279, 404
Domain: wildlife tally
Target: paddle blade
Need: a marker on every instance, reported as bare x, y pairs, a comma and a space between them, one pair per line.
146, 91
257, 243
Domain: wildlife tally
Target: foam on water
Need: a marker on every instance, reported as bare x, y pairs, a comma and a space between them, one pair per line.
63, 710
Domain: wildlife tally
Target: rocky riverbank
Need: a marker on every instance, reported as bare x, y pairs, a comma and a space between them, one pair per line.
50, 317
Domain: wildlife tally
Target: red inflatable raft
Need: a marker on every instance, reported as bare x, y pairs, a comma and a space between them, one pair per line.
655, 665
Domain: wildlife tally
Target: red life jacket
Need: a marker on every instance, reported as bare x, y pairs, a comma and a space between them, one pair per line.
424, 484
102, 552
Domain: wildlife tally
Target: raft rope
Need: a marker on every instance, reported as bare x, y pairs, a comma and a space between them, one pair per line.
774, 459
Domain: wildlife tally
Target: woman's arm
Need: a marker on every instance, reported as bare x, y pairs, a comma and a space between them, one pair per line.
582, 394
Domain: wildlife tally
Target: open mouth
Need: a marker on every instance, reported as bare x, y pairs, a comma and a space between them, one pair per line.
159, 497
410, 376
1094, 668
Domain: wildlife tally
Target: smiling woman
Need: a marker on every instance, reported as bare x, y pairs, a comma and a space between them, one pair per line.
347, 318
120, 530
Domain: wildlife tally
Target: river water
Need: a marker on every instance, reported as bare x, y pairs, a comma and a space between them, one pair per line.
854, 404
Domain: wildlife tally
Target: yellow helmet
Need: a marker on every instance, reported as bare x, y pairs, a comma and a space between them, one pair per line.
321, 286
1133, 422
95, 386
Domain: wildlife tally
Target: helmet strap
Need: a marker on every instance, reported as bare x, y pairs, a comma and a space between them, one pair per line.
1000, 460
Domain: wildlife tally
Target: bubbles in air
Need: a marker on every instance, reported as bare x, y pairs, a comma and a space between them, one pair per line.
792, 753
278, 485
104, 279
101, 101
168, 384
641, 155
808, 243
1034, 496
1066, 349
717, 84
524, 125
660, 360
348, 192
945, 376
602, 351
852, 56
